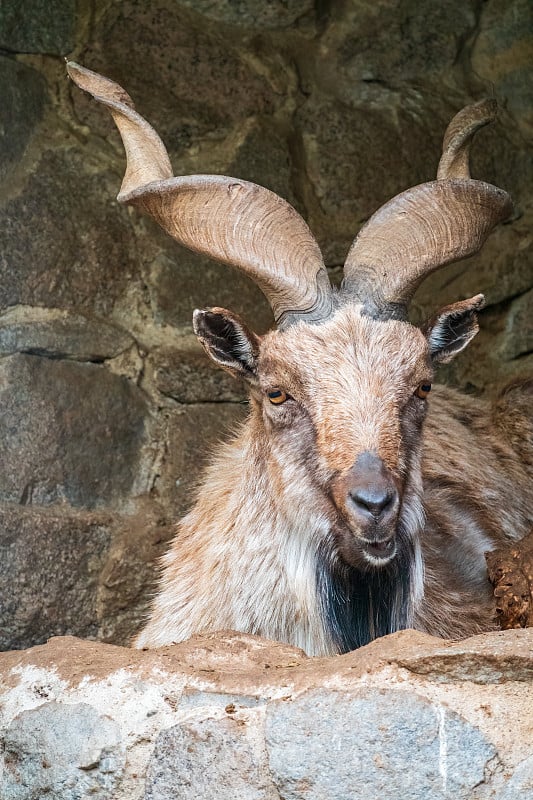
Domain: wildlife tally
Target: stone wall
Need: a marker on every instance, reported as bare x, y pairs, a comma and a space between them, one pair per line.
108, 406
238, 718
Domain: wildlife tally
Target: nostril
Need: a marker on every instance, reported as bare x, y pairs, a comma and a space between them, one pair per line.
375, 501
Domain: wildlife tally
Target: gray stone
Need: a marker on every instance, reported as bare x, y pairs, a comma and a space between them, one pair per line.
50, 561
181, 281
518, 336
386, 743
211, 758
128, 579
60, 334
253, 13
39, 26
192, 432
62, 752
407, 45
502, 56
263, 157
191, 377
22, 100
519, 785
64, 242
404, 717
356, 160
72, 432
186, 77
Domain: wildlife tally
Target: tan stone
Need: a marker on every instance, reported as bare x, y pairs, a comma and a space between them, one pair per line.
210, 695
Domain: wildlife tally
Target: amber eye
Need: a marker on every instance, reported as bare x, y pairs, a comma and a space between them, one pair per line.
277, 396
422, 390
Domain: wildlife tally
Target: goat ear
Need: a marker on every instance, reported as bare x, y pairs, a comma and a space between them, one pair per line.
227, 341
453, 328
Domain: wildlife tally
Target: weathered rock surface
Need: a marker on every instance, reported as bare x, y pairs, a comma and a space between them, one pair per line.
193, 431
234, 716
50, 564
502, 55
56, 333
71, 432
39, 26
190, 377
23, 96
222, 759
253, 13
80, 254
181, 281
63, 752
213, 85
83, 573
518, 340
337, 745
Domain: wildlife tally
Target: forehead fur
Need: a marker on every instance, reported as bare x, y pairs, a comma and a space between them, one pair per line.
348, 350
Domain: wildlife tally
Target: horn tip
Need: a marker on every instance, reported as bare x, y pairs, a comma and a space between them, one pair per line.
100, 87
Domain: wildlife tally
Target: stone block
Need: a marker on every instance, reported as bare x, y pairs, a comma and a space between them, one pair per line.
518, 335
39, 26
50, 564
253, 14
62, 752
215, 759
262, 156
412, 749
186, 77
79, 253
128, 577
393, 46
520, 783
180, 281
22, 101
71, 432
191, 377
357, 159
235, 716
502, 56
192, 432
56, 333
83, 573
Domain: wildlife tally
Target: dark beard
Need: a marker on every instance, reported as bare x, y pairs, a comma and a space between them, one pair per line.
360, 605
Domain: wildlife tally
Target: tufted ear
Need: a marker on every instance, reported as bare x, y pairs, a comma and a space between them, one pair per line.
228, 341
453, 328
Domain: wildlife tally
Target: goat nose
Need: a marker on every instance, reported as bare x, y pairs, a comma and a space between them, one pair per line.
374, 500
371, 493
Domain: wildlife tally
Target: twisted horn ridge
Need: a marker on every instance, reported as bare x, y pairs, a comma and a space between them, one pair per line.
233, 221
427, 226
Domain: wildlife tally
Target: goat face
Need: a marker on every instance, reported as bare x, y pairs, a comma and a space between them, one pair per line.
341, 407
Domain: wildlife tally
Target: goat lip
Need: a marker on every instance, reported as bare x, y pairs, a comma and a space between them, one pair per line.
379, 552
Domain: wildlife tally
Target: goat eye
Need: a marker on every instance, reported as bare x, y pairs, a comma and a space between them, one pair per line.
277, 396
422, 390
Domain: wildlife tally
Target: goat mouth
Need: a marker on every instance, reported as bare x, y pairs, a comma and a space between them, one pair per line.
378, 553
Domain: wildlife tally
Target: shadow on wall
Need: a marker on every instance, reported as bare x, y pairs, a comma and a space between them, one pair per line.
108, 406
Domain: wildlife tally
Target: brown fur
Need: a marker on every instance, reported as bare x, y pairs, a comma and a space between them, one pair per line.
330, 520
270, 514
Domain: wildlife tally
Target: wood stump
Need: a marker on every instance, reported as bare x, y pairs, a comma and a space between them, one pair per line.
511, 573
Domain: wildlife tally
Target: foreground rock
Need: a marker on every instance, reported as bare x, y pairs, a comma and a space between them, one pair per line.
234, 716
